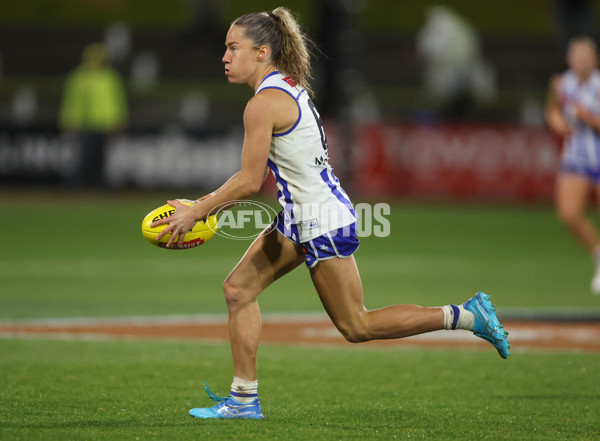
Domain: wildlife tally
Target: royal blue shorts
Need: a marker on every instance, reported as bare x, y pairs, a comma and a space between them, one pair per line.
581, 155
590, 173
342, 242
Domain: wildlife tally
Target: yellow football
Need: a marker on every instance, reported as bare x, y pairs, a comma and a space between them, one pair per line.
201, 232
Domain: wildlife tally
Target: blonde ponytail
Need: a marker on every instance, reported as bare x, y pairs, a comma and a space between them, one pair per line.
291, 48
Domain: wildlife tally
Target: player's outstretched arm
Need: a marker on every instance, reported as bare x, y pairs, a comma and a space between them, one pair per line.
259, 120
556, 121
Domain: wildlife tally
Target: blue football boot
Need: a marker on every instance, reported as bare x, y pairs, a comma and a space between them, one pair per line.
228, 407
487, 325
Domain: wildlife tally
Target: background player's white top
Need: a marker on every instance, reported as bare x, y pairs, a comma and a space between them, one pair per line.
312, 199
583, 145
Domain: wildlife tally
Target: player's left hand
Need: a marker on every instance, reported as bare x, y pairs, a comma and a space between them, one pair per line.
582, 114
178, 224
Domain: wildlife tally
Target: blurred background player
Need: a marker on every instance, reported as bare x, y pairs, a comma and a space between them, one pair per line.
455, 75
573, 112
93, 107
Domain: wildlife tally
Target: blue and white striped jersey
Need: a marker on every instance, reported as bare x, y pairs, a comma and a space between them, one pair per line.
582, 148
313, 201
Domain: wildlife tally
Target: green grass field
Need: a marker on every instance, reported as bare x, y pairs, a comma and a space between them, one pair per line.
129, 390
84, 256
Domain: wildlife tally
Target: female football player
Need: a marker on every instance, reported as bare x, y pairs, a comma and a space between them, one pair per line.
573, 112
268, 52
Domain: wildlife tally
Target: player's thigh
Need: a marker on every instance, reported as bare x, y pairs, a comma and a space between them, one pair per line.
572, 194
338, 284
270, 256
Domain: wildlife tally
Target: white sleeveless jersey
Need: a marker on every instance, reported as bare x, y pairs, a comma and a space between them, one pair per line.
582, 147
313, 201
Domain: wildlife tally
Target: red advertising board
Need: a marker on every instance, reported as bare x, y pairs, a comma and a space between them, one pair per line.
452, 161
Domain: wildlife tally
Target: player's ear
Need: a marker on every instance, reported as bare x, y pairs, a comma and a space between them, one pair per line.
263, 53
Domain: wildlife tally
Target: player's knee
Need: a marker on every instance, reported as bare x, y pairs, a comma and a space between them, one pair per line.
569, 217
235, 295
354, 332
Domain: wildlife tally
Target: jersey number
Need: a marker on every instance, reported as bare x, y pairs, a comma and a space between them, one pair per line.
313, 109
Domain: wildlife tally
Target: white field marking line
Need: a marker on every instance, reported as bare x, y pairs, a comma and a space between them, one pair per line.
85, 337
67, 336
326, 346
518, 334
170, 319
574, 335
165, 320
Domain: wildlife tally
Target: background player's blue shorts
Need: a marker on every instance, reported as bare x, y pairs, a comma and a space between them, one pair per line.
591, 173
581, 155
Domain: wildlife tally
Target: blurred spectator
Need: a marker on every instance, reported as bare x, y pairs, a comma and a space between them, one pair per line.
575, 18
145, 69
117, 37
573, 113
93, 107
24, 105
194, 110
455, 74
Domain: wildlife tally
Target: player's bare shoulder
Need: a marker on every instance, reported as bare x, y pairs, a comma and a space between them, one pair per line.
259, 110
555, 81
281, 105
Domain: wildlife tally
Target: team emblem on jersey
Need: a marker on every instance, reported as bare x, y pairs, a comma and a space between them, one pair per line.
288, 80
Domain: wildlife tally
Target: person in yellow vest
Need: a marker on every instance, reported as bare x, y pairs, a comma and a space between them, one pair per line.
94, 106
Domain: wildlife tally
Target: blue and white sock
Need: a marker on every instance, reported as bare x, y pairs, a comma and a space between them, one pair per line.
457, 317
244, 391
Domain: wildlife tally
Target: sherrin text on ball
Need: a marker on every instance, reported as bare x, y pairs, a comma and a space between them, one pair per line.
200, 233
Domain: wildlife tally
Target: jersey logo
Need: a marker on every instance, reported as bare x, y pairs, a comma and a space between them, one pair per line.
291, 82
308, 224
